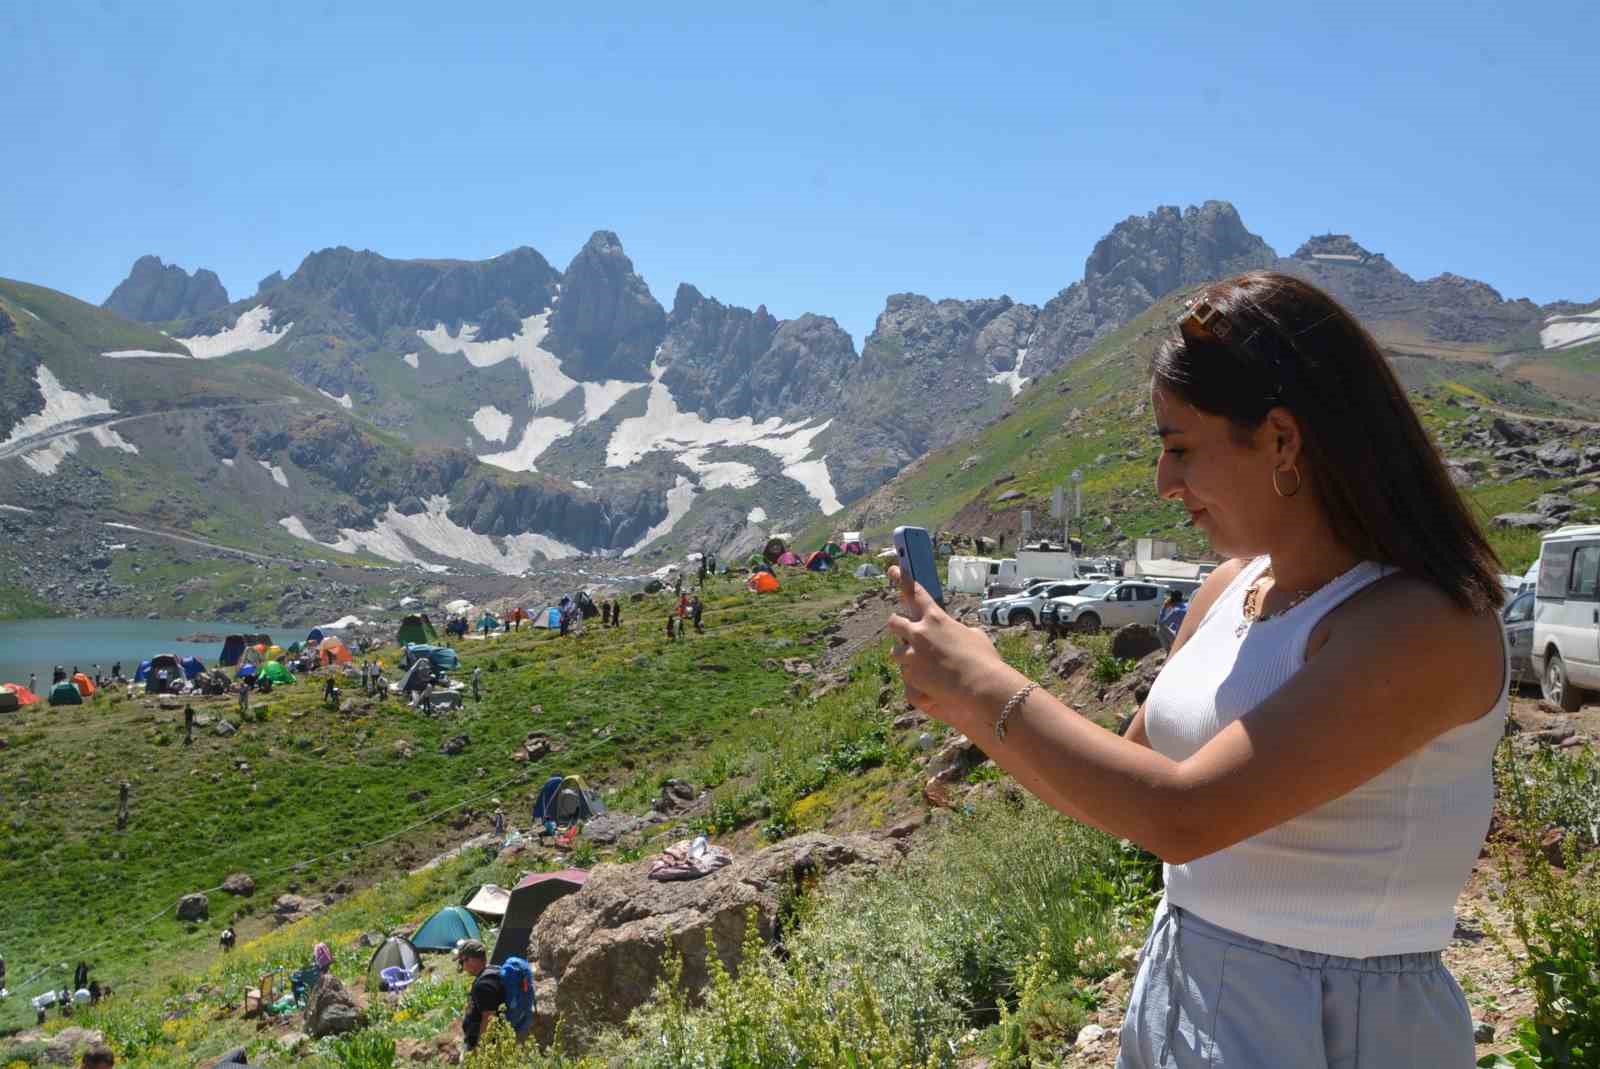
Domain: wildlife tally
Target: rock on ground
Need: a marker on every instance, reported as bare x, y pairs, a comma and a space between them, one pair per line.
332, 1009
604, 944
194, 907
239, 883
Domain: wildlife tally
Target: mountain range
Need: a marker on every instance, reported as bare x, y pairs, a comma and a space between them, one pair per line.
493, 414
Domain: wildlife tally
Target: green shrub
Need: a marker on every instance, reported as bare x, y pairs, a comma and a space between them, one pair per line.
366, 1049
1108, 669
1555, 910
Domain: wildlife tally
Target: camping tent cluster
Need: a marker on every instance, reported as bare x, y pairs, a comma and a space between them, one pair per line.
779, 554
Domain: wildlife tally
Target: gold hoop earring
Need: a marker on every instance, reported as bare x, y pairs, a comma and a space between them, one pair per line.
1297, 481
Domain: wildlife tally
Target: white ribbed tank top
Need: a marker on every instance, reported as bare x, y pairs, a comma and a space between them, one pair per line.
1376, 871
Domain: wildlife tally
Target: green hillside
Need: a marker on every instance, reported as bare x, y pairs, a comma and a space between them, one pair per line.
1093, 417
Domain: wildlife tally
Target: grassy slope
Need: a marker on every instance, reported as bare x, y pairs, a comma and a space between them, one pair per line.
1041, 442
321, 783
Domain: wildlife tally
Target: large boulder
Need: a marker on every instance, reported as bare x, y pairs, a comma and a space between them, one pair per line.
239, 883
1133, 641
194, 907
604, 944
332, 1009
61, 1048
957, 757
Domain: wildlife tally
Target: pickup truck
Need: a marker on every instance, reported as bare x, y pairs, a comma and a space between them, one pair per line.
1105, 605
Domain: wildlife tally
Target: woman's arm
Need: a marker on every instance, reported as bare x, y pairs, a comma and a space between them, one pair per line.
1381, 687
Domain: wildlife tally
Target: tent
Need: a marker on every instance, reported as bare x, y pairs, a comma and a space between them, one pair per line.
518, 615
490, 900
832, 549
274, 653
24, 695
418, 677
192, 666
869, 571
565, 800
246, 671
854, 543
232, 648
586, 605
756, 560
84, 684
445, 929
333, 651
819, 562
773, 550
395, 952
789, 557
161, 672
889, 553
529, 899
142, 671
64, 693
275, 671
763, 582
442, 657
550, 618
314, 636
8, 701
294, 648
416, 628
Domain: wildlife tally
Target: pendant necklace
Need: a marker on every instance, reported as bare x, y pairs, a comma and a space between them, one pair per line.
1252, 604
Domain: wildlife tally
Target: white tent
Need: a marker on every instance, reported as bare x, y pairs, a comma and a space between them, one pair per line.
490, 901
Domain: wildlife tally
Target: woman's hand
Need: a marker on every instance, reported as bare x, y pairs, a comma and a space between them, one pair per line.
951, 671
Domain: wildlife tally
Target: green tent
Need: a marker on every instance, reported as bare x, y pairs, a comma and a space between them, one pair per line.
294, 647
275, 671
832, 549
65, 693
416, 628
446, 928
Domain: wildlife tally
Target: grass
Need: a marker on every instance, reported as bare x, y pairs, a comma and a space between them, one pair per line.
321, 784
19, 603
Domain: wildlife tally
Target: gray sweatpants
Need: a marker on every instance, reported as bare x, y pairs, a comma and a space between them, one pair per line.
1207, 996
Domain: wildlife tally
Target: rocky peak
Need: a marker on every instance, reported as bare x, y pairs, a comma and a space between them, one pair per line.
1144, 258
709, 351
1331, 245
606, 325
155, 292
271, 282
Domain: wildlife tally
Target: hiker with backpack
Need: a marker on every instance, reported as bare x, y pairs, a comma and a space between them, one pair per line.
506, 987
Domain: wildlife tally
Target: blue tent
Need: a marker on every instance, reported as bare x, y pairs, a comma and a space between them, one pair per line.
552, 618
443, 657
445, 928
144, 670
314, 636
192, 666
246, 671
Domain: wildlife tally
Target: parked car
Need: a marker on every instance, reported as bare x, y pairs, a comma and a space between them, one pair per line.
987, 607
1566, 616
1025, 608
1517, 617
1109, 605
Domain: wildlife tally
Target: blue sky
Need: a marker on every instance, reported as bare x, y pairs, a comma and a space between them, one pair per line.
817, 160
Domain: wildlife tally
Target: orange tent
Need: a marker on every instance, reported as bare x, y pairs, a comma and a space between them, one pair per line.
332, 651
763, 582
84, 684
24, 695
517, 616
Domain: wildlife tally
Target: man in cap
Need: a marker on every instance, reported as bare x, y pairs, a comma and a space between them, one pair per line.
488, 991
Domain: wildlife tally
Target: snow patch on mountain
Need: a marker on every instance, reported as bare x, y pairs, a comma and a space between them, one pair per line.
344, 401
813, 475
61, 406
45, 461
276, 472
757, 515
395, 536
122, 354
1563, 332
110, 439
540, 434
679, 500
716, 473
249, 334
491, 424
227, 462
411, 358
1013, 378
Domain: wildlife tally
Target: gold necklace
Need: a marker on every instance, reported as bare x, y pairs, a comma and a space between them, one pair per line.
1252, 604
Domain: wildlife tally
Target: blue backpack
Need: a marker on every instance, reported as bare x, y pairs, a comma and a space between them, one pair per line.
516, 976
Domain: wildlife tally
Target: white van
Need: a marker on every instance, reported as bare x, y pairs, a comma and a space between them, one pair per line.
1566, 616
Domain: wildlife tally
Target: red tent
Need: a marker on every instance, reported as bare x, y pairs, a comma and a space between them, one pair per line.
529, 899
24, 695
763, 582
789, 558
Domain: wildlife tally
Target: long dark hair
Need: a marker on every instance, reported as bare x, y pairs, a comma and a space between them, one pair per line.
1277, 340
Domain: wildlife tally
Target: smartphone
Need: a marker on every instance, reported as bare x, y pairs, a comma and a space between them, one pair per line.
915, 550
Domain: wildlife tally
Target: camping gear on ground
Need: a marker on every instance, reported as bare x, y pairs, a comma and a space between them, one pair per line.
763, 582
528, 901
773, 550
416, 628
275, 671
490, 900
565, 800
819, 561
303, 981
790, 558
442, 657
395, 952
445, 929
192, 666
869, 571
331, 650
24, 695
395, 978
689, 859
84, 684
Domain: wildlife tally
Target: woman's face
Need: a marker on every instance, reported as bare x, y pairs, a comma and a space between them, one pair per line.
1222, 478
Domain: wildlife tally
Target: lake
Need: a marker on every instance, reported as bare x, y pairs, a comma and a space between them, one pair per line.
39, 645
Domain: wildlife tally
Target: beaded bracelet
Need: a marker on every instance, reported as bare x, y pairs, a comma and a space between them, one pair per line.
1011, 706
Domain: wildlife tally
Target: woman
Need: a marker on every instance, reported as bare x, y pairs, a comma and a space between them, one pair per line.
1313, 763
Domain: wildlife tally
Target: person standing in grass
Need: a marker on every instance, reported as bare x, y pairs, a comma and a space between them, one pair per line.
188, 724
477, 683
697, 610
672, 635
616, 613
1312, 766
605, 614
